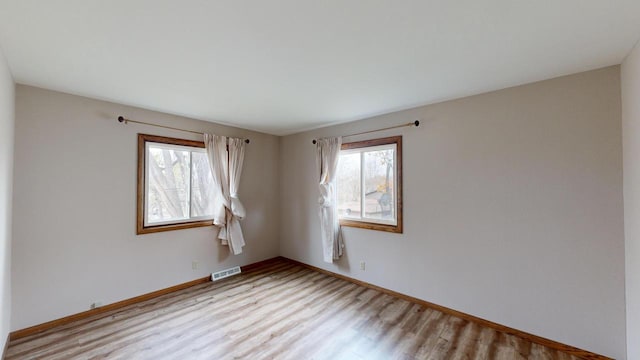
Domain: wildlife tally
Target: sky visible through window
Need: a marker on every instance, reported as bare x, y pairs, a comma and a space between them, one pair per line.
179, 184
367, 173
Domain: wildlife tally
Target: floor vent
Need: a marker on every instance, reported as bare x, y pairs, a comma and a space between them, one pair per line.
225, 273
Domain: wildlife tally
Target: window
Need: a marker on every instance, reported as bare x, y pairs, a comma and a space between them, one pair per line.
369, 182
175, 186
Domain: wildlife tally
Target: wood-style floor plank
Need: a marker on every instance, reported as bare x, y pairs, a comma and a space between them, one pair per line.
282, 311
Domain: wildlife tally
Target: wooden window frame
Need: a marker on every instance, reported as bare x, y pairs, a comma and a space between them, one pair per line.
397, 168
141, 228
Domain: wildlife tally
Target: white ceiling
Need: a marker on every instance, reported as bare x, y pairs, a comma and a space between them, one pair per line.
283, 66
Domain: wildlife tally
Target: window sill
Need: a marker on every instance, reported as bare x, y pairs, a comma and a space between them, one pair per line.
171, 227
372, 226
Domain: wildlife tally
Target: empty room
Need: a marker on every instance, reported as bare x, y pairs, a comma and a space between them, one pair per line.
320, 179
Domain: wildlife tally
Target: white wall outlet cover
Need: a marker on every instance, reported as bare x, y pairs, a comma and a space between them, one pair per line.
95, 304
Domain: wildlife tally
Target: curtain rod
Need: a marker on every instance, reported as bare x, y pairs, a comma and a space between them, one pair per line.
124, 120
415, 123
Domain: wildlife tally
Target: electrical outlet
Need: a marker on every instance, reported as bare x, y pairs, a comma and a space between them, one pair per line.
362, 265
194, 265
95, 304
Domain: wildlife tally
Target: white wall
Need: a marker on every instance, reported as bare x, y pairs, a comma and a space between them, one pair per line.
75, 202
513, 209
630, 75
6, 179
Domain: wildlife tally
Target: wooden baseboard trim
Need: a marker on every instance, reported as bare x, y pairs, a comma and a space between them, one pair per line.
18, 334
6, 346
584, 354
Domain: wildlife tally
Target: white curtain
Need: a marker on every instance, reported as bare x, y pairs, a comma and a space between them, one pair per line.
327, 154
226, 168
236, 213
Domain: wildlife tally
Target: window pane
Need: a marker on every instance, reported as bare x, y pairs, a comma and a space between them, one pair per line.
379, 185
201, 186
167, 193
348, 179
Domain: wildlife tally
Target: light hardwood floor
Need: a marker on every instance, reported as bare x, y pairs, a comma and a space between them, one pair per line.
281, 311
